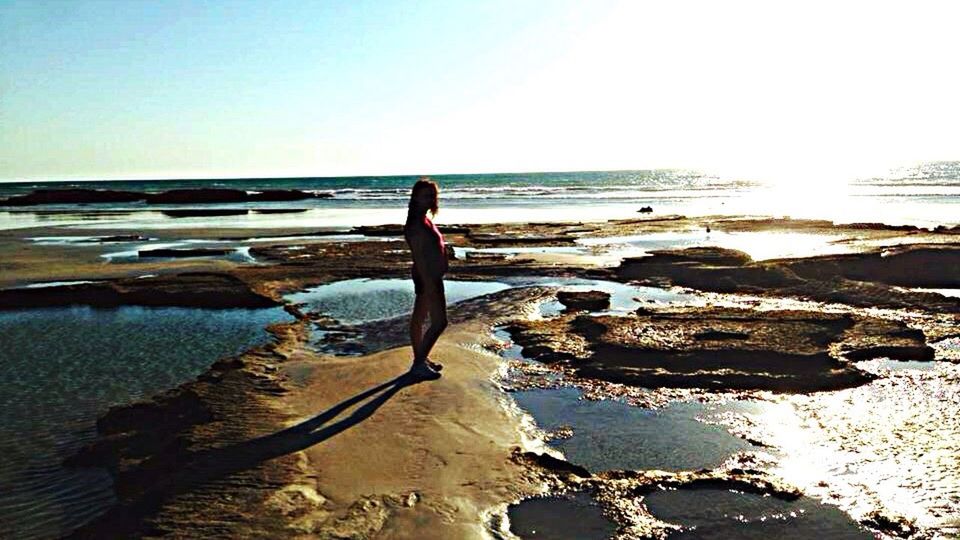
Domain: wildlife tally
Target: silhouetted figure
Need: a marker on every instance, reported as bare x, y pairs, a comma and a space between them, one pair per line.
429, 266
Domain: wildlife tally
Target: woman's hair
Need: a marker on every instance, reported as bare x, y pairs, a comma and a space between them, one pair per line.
417, 207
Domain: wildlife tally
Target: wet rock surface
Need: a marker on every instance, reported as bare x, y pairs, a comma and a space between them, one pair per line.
71, 196
175, 252
870, 279
195, 289
205, 212
584, 300
721, 348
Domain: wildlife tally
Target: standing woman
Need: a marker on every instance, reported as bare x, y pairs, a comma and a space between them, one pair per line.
429, 265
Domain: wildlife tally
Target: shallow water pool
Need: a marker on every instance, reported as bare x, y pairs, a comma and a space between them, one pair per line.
64, 367
575, 517
721, 514
356, 301
610, 434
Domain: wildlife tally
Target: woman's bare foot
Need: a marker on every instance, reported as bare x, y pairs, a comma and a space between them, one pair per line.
422, 370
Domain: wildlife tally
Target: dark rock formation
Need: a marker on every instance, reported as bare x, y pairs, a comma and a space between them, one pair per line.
397, 230
194, 289
721, 348
173, 252
205, 212
379, 230
281, 195
174, 196
861, 279
645, 209
280, 210
584, 300
72, 196
498, 239
909, 266
197, 196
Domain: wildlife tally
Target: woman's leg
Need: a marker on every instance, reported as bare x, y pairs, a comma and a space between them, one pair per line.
417, 320
436, 305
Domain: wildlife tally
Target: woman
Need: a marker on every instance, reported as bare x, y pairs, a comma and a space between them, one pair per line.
429, 265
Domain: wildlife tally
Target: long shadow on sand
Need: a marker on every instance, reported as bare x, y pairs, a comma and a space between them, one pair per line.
167, 480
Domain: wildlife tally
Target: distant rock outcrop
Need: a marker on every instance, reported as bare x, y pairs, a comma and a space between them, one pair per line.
173, 196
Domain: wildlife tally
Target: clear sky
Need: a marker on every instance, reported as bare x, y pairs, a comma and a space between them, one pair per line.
138, 89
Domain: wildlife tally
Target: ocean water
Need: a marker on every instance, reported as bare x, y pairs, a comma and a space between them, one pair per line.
926, 195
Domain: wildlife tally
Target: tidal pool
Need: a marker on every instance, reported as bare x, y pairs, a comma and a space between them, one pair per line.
575, 517
610, 434
721, 514
624, 297
356, 301
64, 367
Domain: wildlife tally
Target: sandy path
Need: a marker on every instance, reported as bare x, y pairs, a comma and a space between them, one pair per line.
425, 460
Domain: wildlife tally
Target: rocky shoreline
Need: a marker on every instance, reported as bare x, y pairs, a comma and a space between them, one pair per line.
201, 457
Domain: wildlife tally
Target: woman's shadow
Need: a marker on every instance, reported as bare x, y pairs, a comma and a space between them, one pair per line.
192, 469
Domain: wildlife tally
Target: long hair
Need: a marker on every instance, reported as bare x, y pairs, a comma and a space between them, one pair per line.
416, 208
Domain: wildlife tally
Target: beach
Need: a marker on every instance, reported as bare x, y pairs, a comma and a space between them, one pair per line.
601, 374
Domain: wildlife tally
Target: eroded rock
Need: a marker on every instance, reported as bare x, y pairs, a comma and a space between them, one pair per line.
721, 348
873, 279
584, 300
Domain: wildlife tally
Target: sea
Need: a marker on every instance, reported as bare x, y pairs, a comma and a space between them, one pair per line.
925, 195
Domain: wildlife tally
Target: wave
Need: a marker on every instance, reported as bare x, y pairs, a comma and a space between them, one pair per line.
541, 192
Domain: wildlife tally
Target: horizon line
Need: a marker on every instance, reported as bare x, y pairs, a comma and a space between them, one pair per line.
323, 177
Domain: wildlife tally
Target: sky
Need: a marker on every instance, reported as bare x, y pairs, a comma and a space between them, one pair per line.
786, 91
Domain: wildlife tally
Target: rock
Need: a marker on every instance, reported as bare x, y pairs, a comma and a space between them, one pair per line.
197, 196
172, 252
645, 209
706, 255
721, 348
584, 300
280, 210
933, 266
280, 195
72, 196
718, 335
550, 463
895, 525
205, 212
520, 240
378, 230
192, 289
872, 279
